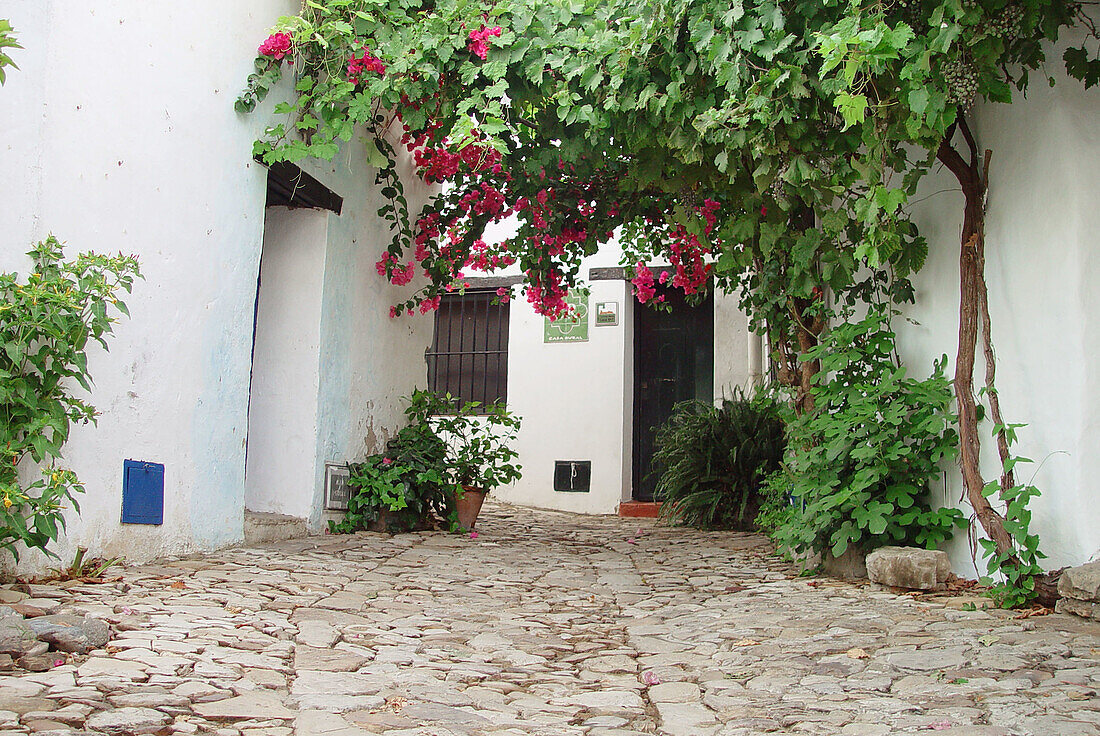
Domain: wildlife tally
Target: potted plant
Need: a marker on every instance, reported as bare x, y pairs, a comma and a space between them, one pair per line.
402, 488
480, 457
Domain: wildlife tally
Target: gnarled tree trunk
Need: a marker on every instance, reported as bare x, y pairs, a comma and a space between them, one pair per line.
974, 321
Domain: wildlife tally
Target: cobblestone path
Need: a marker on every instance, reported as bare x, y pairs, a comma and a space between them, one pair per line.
546, 624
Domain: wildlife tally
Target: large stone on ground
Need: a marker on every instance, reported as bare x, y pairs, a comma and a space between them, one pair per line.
16, 636
908, 567
1079, 588
128, 721
69, 633
327, 660
250, 705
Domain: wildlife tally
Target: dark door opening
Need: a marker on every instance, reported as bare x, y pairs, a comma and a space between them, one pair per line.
673, 362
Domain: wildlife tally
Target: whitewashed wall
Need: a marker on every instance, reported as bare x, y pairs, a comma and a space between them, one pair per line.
118, 133
1042, 263
281, 465
577, 399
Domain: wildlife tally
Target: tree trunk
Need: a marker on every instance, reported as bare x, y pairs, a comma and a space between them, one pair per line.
974, 320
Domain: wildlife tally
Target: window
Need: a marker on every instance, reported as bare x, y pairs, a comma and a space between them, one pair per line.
469, 353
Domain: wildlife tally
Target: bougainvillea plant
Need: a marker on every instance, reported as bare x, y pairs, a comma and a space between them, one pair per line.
765, 145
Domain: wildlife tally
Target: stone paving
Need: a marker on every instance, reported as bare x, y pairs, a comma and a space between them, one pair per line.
548, 624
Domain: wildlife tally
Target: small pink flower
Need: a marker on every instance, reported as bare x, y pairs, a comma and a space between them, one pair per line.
479, 40
649, 677
58, 662
276, 46
473, 535
387, 461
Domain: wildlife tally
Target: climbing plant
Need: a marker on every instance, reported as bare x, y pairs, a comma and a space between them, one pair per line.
770, 146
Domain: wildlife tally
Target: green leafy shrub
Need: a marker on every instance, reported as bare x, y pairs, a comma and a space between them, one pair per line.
46, 325
479, 444
404, 487
440, 450
712, 460
859, 466
1011, 574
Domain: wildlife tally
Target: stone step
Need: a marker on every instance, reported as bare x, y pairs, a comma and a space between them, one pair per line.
261, 527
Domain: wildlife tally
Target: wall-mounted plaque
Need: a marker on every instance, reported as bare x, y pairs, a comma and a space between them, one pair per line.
571, 327
607, 313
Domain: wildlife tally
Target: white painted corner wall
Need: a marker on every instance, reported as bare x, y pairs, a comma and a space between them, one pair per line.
576, 399
119, 134
1042, 264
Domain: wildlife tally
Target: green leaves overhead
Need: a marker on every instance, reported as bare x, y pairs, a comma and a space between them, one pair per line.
794, 116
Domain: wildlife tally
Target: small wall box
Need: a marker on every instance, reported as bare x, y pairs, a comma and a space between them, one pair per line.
573, 476
142, 492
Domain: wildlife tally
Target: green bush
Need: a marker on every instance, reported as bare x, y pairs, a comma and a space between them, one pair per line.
442, 449
712, 460
859, 466
46, 326
404, 487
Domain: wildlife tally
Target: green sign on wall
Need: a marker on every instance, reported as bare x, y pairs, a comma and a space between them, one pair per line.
573, 328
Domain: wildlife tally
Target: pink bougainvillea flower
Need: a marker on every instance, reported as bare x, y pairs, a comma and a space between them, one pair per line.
649, 677
473, 535
479, 40
644, 289
368, 62
277, 46
387, 461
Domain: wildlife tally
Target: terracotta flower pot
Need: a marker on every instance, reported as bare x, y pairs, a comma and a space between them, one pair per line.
468, 504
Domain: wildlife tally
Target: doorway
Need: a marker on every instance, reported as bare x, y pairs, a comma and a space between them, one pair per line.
673, 362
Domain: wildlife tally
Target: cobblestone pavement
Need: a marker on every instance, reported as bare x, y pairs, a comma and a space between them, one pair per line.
546, 624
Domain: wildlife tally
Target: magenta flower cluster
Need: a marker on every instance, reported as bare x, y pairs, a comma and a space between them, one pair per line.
368, 62
479, 40
276, 46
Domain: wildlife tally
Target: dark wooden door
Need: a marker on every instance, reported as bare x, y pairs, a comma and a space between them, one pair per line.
673, 362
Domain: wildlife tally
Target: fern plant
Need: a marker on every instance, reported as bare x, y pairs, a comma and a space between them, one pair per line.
712, 460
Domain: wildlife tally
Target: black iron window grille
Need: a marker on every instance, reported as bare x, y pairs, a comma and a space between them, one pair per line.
468, 357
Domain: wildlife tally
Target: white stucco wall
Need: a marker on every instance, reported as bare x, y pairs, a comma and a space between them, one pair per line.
367, 361
280, 471
575, 400
1042, 262
732, 367
118, 133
